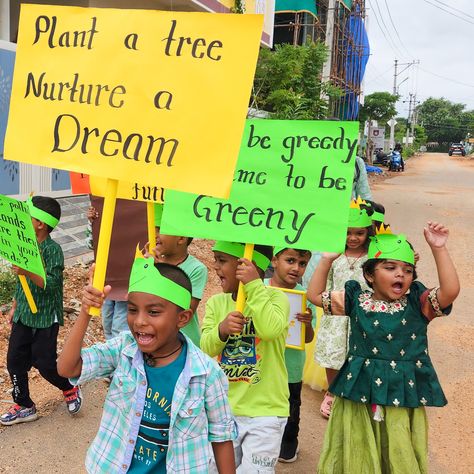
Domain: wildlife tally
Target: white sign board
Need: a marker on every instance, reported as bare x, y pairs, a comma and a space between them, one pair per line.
296, 329
377, 135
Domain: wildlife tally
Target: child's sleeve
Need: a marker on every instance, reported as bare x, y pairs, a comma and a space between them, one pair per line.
53, 258
270, 309
221, 423
99, 360
429, 303
211, 343
198, 279
330, 280
340, 303
89, 238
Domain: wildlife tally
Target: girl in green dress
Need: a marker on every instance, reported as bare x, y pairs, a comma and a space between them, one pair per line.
378, 422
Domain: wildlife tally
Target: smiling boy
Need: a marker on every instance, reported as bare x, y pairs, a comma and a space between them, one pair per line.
289, 266
167, 402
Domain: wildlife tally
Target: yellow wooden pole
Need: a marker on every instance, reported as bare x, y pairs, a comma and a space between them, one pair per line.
240, 303
29, 296
150, 215
105, 234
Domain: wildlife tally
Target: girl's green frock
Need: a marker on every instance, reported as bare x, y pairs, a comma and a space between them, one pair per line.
388, 366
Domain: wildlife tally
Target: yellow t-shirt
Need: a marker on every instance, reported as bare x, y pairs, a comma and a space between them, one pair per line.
254, 361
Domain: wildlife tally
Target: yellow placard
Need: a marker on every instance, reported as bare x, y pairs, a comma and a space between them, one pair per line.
125, 190
135, 95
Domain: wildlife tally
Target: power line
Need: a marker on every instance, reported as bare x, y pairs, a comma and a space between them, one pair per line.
393, 46
447, 78
454, 8
395, 28
449, 12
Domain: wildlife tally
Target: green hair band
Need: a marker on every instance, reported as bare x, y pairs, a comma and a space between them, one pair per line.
41, 215
146, 278
358, 218
386, 245
158, 214
237, 250
377, 216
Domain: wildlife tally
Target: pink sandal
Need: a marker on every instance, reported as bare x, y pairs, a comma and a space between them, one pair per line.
326, 405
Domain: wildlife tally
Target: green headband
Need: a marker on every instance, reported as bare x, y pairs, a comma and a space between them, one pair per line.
277, 250
41, 215
386, 245
237, 250
377, 216
358, 218
158, 214
146, 278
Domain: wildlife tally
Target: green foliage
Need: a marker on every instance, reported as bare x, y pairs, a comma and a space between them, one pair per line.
445, 122
239, 7
7, 285
378, 106
288, 82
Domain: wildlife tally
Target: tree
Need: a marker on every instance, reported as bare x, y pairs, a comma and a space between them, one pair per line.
378, 106
288, 82
445, 122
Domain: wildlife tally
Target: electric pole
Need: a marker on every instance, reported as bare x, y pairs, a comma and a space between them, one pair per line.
395, 92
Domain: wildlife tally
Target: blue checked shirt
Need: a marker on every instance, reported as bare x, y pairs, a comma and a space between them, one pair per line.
200, 411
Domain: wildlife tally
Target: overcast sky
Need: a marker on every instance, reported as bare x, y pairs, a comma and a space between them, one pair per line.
443, 43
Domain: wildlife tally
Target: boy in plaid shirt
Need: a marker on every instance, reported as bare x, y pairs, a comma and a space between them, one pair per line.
167, 402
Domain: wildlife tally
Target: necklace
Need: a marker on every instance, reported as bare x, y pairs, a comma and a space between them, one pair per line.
150, 360
352, 265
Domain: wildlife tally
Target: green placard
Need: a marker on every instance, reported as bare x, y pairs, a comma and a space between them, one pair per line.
18, 242
292, 188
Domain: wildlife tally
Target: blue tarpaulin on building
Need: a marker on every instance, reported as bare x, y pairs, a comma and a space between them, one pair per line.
358, 51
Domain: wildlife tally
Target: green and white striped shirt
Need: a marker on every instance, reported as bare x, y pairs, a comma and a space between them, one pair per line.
49, 300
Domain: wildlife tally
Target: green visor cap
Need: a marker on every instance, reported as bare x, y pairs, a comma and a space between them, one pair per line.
390, 246
146, 278
41, 215
237, 250
158, 214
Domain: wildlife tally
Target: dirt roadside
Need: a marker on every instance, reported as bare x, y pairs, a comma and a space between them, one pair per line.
433, 187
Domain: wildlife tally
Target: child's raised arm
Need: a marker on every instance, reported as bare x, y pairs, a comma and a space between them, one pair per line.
317, 284
436, 236
69, 361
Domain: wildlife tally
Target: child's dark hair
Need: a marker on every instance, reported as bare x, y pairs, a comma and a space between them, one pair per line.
175, 274
189, 240
49, 205
372, 207
301, 252
368, 268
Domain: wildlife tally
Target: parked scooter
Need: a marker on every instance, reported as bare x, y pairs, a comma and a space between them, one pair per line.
395, 161
381, 158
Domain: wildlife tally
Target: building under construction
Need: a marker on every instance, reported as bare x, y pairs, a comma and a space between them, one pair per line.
341, 25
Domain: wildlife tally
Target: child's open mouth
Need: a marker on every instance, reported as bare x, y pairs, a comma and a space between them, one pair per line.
397, 287
144, 338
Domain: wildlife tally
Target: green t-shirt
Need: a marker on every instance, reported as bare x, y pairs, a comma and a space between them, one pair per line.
295, 359
150, 451
49, 300
253, 361
197, 273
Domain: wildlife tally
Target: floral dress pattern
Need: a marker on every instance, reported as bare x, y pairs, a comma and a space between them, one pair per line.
388, 362
332, 338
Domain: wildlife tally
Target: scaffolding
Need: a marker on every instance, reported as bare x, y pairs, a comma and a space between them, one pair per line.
340, 24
